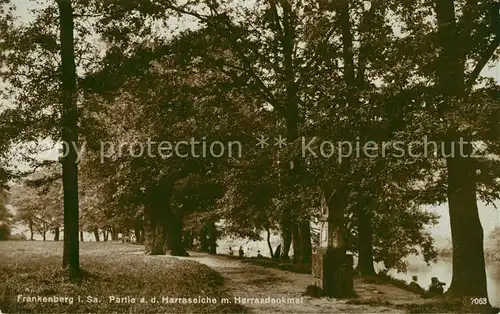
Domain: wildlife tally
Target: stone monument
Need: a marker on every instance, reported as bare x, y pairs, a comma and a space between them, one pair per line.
332, 268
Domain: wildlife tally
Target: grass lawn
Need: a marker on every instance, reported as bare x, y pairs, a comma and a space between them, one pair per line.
113, 272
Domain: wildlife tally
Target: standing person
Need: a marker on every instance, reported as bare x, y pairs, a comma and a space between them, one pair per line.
231, 253
241, 253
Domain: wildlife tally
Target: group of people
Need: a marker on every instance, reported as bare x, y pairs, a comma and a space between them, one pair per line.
241, 252
436, 287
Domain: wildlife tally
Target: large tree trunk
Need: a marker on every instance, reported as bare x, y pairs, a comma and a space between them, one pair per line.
305, 242
31, 229
212, 238
96, 235
174, 238
365, 245
104, 234
286, 238
469, 274
155, 232
271, 252
291, 115
137, 233
297, 253
56, 234
187, 240
355, 86
204, 242
69, 123
138, 230
114, 234
156, 217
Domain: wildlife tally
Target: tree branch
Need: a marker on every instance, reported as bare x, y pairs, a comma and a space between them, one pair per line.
276, 18
483, 60
490, 50
470, 13
364, 26
87, 15
227, 33
347, 43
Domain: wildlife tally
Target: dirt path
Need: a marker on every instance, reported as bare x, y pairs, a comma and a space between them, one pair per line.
245, 280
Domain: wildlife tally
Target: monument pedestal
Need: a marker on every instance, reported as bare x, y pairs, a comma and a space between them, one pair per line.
332, 271
331, 266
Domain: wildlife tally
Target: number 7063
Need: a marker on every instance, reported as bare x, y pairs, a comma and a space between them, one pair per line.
478, 301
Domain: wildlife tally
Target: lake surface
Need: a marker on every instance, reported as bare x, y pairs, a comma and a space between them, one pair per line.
443, 270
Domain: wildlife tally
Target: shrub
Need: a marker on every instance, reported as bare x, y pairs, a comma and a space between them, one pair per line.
313, 291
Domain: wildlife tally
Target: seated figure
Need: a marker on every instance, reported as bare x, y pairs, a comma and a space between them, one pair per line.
436, 287
415, 287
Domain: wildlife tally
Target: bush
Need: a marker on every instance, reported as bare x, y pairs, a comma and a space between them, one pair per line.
314, 291
4, 231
